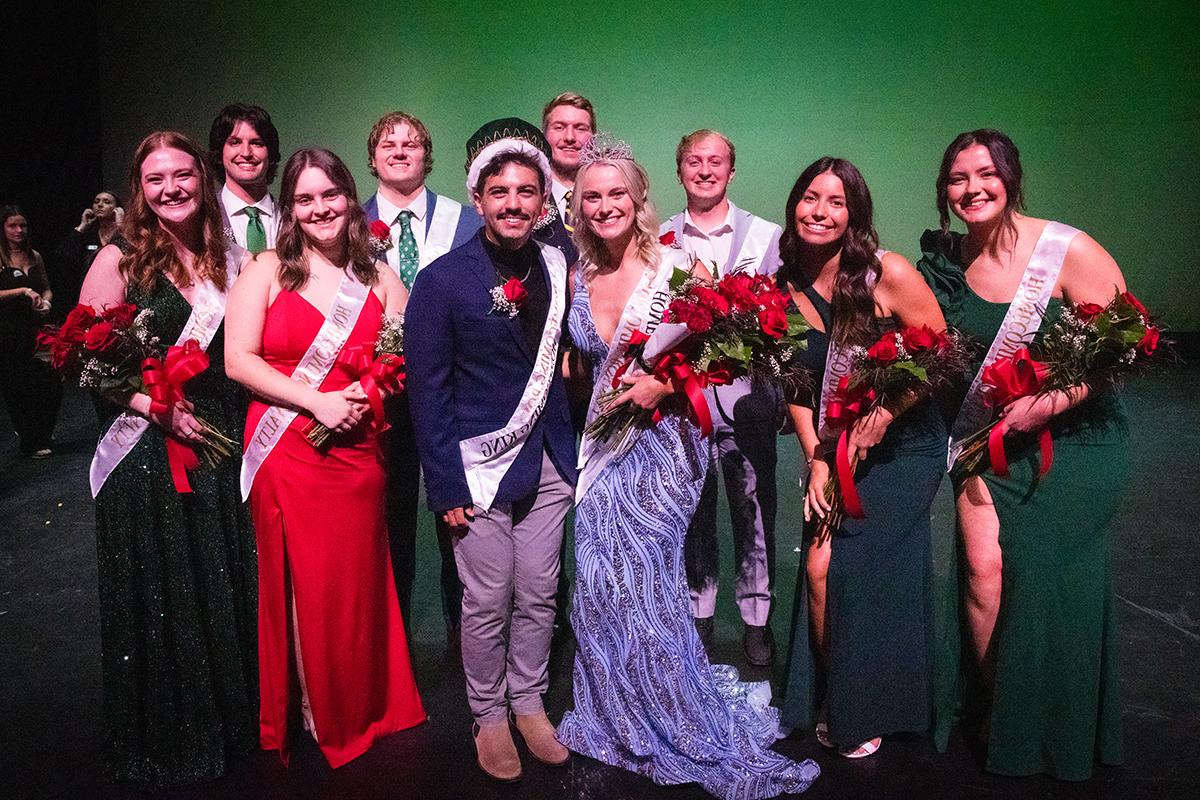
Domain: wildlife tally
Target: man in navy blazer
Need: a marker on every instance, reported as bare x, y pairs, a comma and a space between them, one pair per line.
423, 226
495, 437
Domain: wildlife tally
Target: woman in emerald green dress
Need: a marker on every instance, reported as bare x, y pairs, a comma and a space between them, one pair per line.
177, 579
860, 660
1036, 577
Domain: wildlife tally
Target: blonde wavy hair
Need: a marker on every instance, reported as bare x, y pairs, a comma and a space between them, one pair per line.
592, 251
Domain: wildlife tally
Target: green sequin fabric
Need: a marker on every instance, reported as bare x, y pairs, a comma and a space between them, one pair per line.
178, 599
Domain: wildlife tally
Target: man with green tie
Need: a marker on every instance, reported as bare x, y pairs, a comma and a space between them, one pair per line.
423, 226
243, 148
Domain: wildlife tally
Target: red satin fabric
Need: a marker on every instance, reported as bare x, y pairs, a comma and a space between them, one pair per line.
322, 541
164, 383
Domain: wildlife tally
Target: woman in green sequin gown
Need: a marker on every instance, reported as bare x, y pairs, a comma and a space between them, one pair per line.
1034, 571
176, 571
860, 660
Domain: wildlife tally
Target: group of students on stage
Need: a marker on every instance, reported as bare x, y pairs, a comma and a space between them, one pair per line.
221, 618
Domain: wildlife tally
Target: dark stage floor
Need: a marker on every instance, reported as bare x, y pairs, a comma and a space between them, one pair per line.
50, 664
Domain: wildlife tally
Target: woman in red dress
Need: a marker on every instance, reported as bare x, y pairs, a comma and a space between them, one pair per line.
328, 615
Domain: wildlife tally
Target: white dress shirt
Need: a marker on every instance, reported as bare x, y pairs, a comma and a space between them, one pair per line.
389, 213
235, 210
559, 192
711, 247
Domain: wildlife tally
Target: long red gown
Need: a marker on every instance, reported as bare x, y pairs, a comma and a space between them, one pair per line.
324, 566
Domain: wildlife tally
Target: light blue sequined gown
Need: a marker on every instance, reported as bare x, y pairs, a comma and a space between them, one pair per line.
646, 698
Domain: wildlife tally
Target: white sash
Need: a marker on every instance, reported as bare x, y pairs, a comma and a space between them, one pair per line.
311, 371
838, 361
208, 311
440, 236
1020, 325
487, 458
643, 312
747, 255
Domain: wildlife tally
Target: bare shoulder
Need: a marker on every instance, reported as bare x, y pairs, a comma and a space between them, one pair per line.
896, 271
389, 281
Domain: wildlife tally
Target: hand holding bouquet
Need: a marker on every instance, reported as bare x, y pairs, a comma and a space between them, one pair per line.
114, 352
380, 370
711, 334
1088, 346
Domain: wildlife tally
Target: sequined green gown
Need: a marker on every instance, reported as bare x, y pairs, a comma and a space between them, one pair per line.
1056, 703
177, 588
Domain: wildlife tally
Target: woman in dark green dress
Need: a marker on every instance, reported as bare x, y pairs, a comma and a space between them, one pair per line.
176, 570
1036, 591
860, 660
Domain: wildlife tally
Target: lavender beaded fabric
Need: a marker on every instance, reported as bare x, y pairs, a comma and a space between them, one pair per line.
646, 697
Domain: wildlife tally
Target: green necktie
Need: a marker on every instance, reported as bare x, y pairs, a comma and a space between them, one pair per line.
406, 248
256, 235
568, 217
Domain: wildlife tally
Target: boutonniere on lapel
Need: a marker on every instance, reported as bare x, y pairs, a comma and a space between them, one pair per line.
668, 240
229, 235
381, 237
549, 213
509, 298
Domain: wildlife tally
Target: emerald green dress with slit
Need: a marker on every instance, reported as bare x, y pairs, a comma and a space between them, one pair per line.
1055, 707
178, 592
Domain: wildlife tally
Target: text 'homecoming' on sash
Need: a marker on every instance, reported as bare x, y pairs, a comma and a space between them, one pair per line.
1021, 323
487, 458
311, 371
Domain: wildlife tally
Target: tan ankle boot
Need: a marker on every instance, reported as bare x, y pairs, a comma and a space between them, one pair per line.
496, 752
539, 738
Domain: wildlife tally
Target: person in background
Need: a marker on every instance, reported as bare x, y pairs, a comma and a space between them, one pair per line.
99, 225
31, 391
243, 149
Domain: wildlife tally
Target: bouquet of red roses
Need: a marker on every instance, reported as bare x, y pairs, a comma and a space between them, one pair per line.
901, 368
711, 334
380, 369
1089, 345
114, 351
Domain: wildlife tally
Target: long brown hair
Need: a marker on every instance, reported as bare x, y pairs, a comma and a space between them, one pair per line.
7, 213
853, 299
291, 244
151, 250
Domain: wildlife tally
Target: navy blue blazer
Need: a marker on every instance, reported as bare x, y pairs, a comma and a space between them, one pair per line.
467, 370
469, 220
555, 233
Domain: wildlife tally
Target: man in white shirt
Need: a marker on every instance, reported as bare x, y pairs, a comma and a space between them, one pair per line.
745, 423
244, 151
568, 122
424, 226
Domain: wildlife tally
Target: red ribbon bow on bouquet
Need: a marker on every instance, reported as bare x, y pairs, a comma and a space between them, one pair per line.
845, 406
1009, 379
673, 367
164, 383
376, 375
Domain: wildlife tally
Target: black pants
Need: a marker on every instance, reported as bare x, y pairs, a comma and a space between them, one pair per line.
32, 393
403, 500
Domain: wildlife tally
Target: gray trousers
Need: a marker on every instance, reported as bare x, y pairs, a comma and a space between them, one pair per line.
508, 562
743, 449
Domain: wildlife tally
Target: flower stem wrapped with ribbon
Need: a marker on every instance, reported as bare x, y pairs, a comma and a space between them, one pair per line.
380, 371
164, 379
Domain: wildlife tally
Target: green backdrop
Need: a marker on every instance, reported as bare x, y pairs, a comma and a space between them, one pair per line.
1101, 98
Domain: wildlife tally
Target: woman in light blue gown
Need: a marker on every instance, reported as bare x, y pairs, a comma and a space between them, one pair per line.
646, 697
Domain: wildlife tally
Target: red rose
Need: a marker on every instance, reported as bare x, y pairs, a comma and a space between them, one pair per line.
1088, 311
667, 239
61, 354
884, 351
1149, 342
678, 311
773, 321
77, 322
121, 316
515, 292
711, 298
739, 289
917, 339
100, 337
699, 320
1133, 301
381, 230
46, 337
